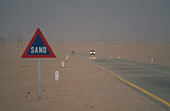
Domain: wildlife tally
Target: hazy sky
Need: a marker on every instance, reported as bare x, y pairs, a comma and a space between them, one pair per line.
87, 19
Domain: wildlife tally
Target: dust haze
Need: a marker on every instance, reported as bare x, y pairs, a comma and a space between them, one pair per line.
79, 20
131, 30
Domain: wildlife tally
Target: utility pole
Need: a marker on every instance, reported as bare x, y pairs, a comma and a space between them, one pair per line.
3, 44
19, 39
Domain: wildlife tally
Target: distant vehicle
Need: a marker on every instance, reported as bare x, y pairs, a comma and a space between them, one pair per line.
73, 52
92, 52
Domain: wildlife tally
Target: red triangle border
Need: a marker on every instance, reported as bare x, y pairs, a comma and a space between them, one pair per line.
38, 31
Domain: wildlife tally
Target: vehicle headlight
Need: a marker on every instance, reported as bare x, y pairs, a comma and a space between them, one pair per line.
94, 52
90, 52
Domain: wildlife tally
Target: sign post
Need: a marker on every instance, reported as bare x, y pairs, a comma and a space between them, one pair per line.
38, 48
39, 80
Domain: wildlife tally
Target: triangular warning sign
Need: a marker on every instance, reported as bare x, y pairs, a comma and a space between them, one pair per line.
38, 47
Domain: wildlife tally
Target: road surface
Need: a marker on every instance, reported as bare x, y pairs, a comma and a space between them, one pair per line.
153, 78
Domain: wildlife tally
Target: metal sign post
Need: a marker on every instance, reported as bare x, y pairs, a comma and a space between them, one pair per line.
39, 80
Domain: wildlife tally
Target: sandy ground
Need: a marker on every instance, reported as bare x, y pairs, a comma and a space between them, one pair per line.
82, 86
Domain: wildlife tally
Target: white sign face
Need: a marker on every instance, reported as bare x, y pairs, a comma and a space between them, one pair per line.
56, 75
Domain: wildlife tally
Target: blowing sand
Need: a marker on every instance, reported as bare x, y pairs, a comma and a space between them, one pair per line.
81, 86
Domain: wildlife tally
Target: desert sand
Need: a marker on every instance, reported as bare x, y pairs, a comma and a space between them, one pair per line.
81, 86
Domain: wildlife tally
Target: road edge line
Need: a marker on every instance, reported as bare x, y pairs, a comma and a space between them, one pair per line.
132, 85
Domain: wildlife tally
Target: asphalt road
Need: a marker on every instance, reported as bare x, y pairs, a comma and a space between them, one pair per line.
153, 78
